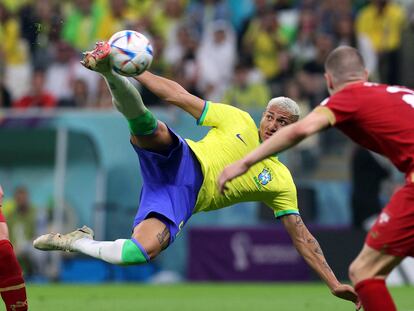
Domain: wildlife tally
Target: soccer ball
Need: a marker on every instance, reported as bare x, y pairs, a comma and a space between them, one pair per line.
131, 53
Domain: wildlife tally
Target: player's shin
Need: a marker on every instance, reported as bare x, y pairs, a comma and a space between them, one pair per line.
12, 286
120, 252
128, 101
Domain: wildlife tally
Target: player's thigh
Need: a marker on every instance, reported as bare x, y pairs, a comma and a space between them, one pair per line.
4, 231
153, 235
371, 263
160, 140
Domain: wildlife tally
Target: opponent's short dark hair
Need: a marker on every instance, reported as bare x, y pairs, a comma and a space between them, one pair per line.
345, 63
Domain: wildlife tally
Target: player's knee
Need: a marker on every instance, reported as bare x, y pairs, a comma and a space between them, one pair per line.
153, 235
151, 248
352, 272
148, 245
356, 271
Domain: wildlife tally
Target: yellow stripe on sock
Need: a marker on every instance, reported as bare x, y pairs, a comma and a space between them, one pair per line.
15, 287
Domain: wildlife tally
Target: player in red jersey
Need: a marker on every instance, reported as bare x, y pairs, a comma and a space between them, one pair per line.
12, 287
380, 118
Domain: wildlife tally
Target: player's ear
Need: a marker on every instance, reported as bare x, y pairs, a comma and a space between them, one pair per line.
329, 82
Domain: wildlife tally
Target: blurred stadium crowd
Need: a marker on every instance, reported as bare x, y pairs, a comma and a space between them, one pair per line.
240, 52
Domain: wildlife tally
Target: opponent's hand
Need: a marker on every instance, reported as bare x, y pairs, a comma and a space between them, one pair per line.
347, 292
230, 172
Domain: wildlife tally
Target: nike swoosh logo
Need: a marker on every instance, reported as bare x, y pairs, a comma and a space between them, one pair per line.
239, 137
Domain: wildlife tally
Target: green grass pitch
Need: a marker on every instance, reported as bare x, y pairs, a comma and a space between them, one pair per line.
196, 297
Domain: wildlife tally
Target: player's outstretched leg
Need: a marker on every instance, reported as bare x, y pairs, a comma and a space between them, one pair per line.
149, 238
147, 131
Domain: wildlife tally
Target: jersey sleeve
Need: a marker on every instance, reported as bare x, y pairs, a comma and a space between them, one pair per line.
339, 108
285, 202
223, 116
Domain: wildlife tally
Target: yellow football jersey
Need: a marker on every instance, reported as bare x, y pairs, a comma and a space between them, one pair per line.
232, 136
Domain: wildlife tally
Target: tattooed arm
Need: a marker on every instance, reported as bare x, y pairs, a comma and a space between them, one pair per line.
310, 250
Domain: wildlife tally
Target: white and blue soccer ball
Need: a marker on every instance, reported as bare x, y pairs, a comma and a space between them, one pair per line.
131, 53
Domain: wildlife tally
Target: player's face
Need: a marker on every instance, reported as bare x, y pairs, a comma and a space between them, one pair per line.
273, 119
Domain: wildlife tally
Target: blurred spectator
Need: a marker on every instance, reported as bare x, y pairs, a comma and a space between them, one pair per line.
60, 72
245, 93
343, 28
167, 18
304, 158
240, 12
293, 90
37, 97
216, 59
382, 21
22, 221
345, 35
303, 49
14, 53
103, 97
183, 41
80, 98
5, 98
330, 11
288, 17
64, 70
41, 26
203, 12
159, 67
259, 8
409, 6
83, 23
266, 42
116, 18
367, 177
185, 67
14, 5
311, 76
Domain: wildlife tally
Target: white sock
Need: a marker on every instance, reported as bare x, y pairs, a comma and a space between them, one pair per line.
109, 251
126, 97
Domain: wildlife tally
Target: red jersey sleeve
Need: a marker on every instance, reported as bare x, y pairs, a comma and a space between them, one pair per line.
340, 107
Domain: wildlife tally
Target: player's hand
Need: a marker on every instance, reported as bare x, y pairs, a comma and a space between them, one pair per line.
230, 172
347, 292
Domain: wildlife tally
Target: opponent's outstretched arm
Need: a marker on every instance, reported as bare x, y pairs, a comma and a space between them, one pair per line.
310, 250
172, 92
283, 139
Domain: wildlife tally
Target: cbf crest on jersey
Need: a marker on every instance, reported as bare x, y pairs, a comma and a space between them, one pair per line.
263, 178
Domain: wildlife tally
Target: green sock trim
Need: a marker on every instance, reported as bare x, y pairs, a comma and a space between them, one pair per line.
145, 124
132, 254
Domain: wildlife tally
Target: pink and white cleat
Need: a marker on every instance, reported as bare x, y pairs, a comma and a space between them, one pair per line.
98, 58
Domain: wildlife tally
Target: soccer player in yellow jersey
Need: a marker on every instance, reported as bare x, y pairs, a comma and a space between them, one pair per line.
179, 176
